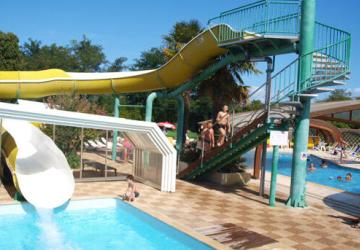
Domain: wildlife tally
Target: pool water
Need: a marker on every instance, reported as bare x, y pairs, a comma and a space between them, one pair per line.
89, 224
324, 176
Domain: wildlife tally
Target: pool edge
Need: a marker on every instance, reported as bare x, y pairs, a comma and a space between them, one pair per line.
163, 218
182, 228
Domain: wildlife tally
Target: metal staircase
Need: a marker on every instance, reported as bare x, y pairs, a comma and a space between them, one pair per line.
242, 141
269, 28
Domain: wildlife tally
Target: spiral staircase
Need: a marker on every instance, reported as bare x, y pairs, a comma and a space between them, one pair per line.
270, 28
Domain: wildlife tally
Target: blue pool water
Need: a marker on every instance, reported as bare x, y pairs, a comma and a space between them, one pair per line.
90, 224
324, 176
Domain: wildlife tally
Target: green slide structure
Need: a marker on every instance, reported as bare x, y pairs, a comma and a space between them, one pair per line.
255, 31
281, 27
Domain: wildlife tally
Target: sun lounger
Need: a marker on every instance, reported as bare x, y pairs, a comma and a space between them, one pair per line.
88, 146
109, 144
93, 144
97, 166
100, 144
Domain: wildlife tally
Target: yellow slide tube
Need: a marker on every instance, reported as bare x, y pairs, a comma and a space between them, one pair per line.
192, 58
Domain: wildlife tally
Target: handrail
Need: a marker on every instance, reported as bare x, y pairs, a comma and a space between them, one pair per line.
277, 17
330, 57
262, 17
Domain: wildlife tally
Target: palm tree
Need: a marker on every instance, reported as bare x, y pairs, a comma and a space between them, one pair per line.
225, 87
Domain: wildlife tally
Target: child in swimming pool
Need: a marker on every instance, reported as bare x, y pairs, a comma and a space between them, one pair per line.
311, 167
323, 164
348, 177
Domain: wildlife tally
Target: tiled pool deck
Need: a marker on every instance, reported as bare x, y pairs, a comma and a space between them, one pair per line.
202, 205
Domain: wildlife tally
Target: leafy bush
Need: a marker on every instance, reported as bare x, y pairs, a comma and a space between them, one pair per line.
190, 153
73, 159
68, 139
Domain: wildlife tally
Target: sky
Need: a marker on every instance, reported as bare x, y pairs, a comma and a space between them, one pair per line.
126, 28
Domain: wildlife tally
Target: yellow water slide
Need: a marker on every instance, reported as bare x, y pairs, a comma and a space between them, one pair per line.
39, 180
193, 57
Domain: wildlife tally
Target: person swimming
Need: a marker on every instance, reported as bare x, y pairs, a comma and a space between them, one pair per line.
348, 177
323, 164
339, 178
311, 167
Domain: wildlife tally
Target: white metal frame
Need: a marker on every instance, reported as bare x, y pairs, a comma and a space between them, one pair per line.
150, 131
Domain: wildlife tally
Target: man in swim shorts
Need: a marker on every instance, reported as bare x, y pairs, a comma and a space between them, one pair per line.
223, 121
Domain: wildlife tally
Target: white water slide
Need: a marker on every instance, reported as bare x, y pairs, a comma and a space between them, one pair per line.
42, 171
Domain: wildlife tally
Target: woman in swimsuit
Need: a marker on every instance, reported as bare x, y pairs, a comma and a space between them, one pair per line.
223, 121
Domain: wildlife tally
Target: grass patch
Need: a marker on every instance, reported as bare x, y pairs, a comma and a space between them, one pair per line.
192, 135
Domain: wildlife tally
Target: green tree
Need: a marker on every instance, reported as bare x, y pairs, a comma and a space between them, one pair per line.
68, 138
201, 110
10, 55
225, 87
90, 57
180, 35
38, 57
118, 65
254, 105
339, 95
150, 59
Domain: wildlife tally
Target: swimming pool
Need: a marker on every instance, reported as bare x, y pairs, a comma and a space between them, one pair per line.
324, 176
88, 224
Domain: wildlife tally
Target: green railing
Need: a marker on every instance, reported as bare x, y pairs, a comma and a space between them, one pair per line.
330, 61
330, 58
261, 17
331, 55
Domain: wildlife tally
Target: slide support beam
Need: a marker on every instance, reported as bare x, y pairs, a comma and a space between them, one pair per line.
231, 58
180, 119
180, 122
274, 170
263, 166
115, 136
298, 173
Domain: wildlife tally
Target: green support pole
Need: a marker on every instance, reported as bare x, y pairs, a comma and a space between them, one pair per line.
180, 123
149, 105
298, 173
181, 107
274, 170
115, 136
263, 169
